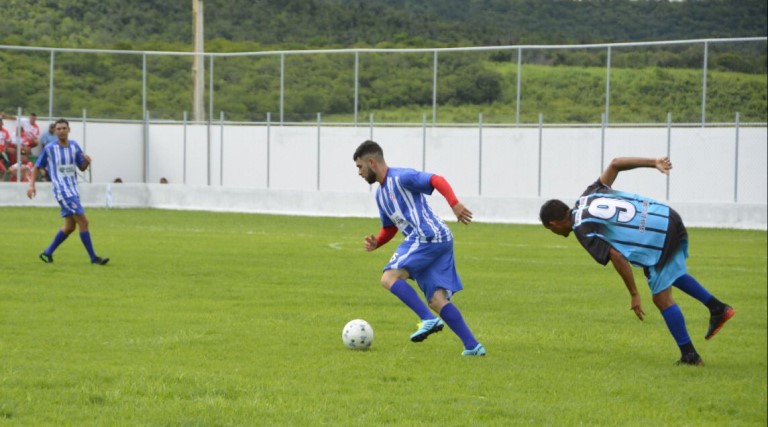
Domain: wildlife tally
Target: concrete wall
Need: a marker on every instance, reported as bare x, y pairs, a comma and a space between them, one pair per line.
720, 177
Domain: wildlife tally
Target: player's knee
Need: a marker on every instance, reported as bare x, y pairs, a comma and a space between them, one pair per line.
663, 300
386, 282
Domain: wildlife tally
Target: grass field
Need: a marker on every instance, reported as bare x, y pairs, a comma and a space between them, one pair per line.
211, 319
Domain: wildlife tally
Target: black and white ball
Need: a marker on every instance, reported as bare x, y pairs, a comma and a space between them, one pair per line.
357, 335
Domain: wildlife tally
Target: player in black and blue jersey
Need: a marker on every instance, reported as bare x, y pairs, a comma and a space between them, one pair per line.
629, 229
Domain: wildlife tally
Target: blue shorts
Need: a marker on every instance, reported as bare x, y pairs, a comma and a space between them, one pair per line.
431, 265
661, 279
71, 206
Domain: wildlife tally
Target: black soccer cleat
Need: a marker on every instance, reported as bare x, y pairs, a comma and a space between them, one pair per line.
716, 322
690, 359
100, 261
48, 259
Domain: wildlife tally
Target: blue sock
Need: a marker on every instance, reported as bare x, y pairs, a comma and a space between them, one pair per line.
59, 239
85, 236
690, 286
676, 324
453, 318
407, 295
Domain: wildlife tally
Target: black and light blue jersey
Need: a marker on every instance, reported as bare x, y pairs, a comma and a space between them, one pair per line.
62, 166
638, 227
402, 202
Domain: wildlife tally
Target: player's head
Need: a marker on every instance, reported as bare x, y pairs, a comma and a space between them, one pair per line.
556, 217
62, 128
366, 157
33, 118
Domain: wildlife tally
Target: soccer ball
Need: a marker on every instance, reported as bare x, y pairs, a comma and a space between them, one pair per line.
357, 335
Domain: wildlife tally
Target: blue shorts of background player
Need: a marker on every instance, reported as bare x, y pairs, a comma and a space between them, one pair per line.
71, 206
431, 265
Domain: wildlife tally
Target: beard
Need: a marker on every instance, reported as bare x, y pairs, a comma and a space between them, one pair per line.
370, 177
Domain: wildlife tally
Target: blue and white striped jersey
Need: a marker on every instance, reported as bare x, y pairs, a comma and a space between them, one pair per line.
636, 226
403, 203
62, 165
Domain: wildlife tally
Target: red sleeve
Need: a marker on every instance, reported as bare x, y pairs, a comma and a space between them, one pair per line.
442, 186
385, 235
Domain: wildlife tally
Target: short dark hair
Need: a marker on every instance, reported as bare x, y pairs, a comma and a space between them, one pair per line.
63, 121
553, 210
366, 148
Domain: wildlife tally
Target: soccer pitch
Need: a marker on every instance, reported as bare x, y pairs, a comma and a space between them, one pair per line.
215, 319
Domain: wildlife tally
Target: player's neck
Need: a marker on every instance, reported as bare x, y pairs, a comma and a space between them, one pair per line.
384, 170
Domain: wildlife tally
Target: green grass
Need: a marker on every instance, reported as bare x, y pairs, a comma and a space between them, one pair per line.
211, 319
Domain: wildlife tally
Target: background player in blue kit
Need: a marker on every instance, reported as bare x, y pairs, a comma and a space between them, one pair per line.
61, 159
630, 229
426, 254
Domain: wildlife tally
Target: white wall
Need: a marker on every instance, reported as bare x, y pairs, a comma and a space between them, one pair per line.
309, 169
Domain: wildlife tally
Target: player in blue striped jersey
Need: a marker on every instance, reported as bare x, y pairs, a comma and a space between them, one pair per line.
61, 161
426, 254
629, 229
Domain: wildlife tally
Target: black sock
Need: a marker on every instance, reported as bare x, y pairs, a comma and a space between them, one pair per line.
687, 349
715, 306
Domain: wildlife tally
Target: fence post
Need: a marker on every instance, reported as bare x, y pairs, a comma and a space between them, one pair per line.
541, 141
480, 156
50, 87
608, 85
269, 143
424, 142
18, 143
603, 119
146, 146
371, 126
434, 90
736, 160
704, 87
319, 123
210, 119
669, 144
357, 82
184, 147
282, 88
221, 148
519, 83
85, 121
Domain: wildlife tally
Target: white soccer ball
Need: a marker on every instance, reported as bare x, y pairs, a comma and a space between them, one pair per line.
357, 335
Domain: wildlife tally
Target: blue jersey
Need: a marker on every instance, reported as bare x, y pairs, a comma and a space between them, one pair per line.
62, 164
402, 202
643, 230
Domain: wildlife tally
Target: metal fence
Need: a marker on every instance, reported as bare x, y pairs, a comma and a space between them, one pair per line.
276, 83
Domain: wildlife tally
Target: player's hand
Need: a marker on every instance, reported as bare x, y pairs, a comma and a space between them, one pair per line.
663, 164
637, 307
463, 214
31, 192
371, 243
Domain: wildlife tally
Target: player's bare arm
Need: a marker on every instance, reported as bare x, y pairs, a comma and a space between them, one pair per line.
86, 163
663, 164
624, 269
32, 178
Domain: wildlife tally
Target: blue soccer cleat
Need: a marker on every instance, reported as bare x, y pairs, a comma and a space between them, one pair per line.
479, 350
427, 328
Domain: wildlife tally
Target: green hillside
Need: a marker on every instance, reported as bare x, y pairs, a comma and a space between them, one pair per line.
567, 86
